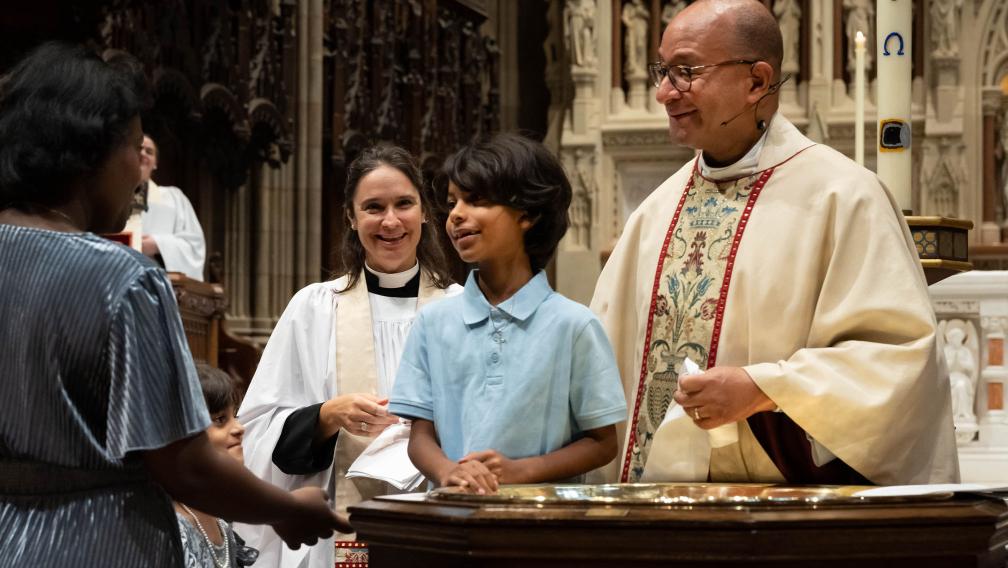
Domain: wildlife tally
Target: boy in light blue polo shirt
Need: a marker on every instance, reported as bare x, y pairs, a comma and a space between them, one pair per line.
510, 382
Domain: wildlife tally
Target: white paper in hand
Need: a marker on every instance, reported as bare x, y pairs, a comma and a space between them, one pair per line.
386, 459
680, 449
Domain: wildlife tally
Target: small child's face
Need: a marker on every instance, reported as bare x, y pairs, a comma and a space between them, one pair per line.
482, 231
225, 432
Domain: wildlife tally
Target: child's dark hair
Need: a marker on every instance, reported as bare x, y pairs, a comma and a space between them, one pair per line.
518, 172
218, 388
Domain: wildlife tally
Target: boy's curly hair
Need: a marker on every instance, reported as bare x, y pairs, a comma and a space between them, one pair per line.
515, 171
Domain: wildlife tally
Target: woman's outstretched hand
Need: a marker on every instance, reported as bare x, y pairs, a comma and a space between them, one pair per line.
311, 519
360, 414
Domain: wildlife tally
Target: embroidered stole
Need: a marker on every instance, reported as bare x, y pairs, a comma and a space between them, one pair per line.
688, 298
356, 371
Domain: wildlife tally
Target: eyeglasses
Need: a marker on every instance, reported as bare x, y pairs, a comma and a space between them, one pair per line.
682, 75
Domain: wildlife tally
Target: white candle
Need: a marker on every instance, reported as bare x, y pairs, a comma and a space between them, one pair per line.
859, 91
894, 57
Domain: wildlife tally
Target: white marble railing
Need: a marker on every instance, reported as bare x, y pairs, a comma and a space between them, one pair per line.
972, 311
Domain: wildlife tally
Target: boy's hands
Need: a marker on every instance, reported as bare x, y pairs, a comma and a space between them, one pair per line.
473, 476
506, 470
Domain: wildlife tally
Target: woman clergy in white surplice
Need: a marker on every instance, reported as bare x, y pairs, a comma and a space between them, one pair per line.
319, 395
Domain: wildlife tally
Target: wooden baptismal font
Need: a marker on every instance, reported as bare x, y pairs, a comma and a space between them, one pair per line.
683, 525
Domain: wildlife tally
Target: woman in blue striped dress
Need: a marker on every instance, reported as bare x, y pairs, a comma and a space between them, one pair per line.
101, 414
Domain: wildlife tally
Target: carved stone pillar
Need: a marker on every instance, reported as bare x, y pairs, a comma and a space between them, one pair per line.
236, 247
990, 232
577, 261
309, 137
274, 262
263, 252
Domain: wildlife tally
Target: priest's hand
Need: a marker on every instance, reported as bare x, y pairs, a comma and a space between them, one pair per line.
721, 395
505, 469
472, 475
360, 414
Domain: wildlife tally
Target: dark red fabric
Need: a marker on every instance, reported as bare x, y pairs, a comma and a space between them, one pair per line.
786, 444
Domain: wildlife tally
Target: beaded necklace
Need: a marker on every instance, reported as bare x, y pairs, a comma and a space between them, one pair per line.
213, 553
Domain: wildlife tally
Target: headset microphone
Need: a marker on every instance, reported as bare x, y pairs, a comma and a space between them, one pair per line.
760, 123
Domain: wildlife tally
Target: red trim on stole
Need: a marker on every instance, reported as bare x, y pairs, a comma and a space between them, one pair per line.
719, 315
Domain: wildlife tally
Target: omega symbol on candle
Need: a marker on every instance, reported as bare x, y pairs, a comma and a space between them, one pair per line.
885, 44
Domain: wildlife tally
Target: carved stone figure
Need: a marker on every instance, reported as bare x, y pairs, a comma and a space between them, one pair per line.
788, 13
579, 32
961, 348
635, 18
671, 10
943, 176
860, 17
584, 194
945, 26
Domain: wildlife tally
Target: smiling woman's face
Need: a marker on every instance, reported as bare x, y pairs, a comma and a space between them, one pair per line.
388, 218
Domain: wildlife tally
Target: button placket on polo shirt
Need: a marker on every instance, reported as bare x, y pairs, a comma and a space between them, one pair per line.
494, 350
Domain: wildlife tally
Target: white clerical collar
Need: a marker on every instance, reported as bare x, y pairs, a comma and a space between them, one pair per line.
746, 165
397, 280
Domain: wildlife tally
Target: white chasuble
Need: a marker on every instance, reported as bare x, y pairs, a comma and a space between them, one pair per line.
823, 303
688, 298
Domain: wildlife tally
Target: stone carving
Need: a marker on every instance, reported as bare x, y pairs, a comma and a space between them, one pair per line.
943, 173
788, 13
956, 307
579, 32
635, 20
580, 164
860, 17
671, 10
961, 347
945, 26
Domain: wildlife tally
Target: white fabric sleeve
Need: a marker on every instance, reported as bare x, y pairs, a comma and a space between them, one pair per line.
184, 248
296, 370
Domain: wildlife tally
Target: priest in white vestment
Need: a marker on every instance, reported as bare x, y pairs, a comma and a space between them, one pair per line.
783, 269
319, 395
171, 231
